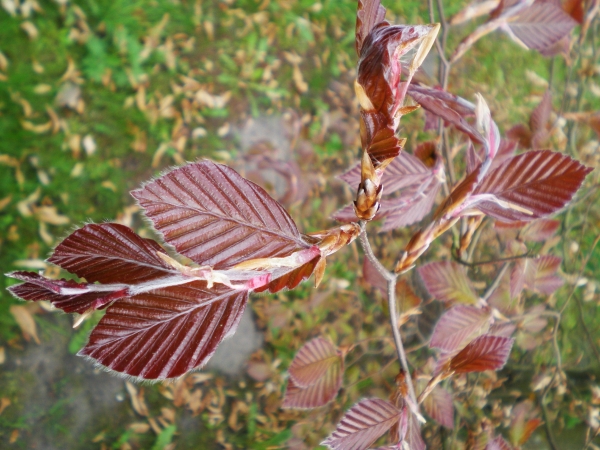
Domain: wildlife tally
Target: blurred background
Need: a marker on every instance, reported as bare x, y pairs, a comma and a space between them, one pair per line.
97, 96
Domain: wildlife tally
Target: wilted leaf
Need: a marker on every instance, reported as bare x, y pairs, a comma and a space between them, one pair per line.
458, 326
448, 282
23, 315
362, 425
484, 353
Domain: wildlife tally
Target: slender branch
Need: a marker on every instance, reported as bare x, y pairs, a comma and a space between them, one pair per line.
490, 290
391, 279
490, 261
398, 340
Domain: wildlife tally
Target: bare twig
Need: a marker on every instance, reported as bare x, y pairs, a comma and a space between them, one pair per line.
490, 290
490, 261
391, 279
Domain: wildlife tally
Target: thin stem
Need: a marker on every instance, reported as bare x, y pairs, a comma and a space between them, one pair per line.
490, 290
391, 279
398, 339
490, 261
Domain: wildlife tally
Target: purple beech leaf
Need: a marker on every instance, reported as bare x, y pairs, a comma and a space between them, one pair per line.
541, 114
369, 13
318, 394
546, 280
419, 186
458, 326
110, 253
363, 424
503, 329
529, 186
540, 230
413, 434
379, 67
67, 295
403, 171
166, 332
411, 206
521, 275
502, 299
484, 353
498, 443
448, 282
438, 405
534, 322
373, 277
313, 361
451, 108
347, 214
540, 25
212, 215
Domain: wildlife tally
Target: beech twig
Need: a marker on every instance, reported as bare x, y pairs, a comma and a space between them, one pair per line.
391, 279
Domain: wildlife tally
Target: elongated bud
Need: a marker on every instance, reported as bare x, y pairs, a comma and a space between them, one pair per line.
369, 192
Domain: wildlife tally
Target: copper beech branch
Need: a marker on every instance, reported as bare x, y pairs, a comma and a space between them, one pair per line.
391, 279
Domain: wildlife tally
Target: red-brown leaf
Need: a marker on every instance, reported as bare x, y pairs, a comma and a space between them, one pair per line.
541, 25
315, 375
363, 424
451, 108
498, 444
403, 171
212, 215
313, 361
110, 253
458, 326
536, 183
439, 406
166, 332
448, 282
484, 353
77, 299
368, 14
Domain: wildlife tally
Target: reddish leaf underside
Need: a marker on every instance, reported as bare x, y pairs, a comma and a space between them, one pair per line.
313, 361
166, 332
459, 326
315, 375
439, 406
448, 282
484, 353
363, 424
212, 215
541, 25
498, 443
530, 185
78, 299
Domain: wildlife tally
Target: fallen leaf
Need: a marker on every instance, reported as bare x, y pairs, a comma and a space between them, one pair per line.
137, 399
23, 314
4, 403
